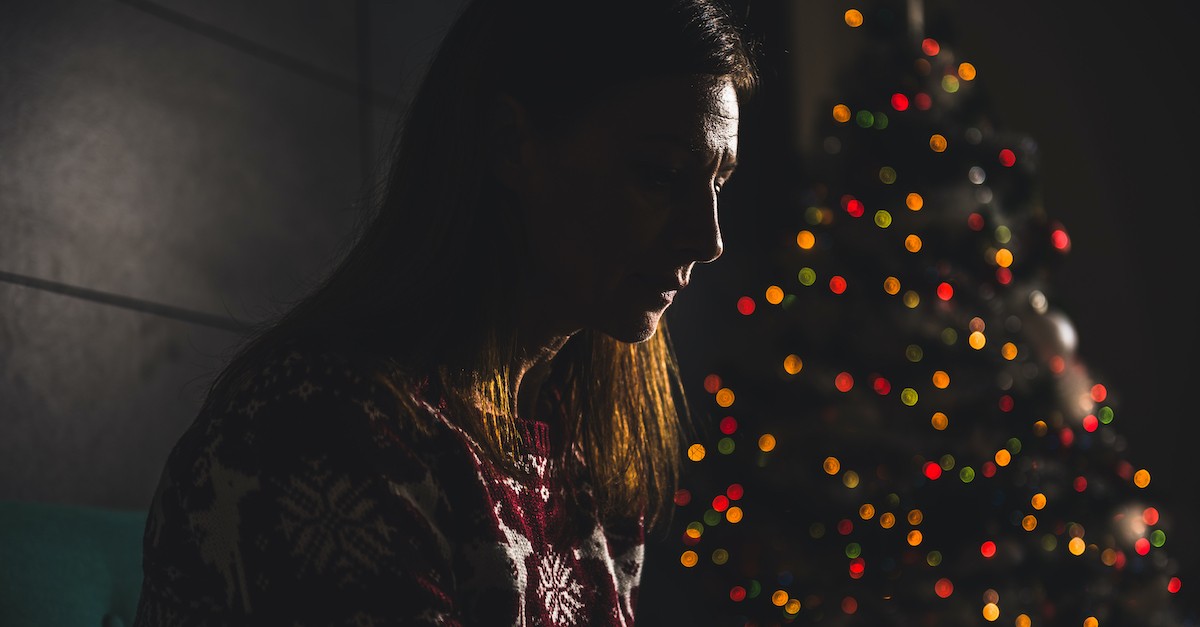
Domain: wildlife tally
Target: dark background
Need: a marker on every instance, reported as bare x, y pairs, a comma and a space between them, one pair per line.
169, 166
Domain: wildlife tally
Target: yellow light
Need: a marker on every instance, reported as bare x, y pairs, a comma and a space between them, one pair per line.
805, 239
991, 612
766, 443
941, 379
854, 18
1003, 457
1004, 257
1038, 501
1029, 523
696, 452
887, 520
1091, 621
1109, 557
725, 397
939, 421
891, 285
831, 465
850, 479
841, 113
914, 201
937, 143
1040, 428
911, 299
1076, 546
694, 530
1141, 478
792, 606
1023, 621
914, 537
689, 558
779, 598
977, 340
774, 295
734, 514
867, 511
912, 243
1009, 351
966, 71
883, 219
915, 517
792, 364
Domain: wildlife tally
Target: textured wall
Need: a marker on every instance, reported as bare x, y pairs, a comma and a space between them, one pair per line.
168, 169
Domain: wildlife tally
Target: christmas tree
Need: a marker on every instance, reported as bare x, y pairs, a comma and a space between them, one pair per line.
924, 446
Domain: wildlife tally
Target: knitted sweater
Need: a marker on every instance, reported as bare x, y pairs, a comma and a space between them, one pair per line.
306, 501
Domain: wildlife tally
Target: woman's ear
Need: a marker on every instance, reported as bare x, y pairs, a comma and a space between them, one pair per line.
509, 142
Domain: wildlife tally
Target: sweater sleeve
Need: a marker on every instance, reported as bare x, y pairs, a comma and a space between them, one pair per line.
277, 512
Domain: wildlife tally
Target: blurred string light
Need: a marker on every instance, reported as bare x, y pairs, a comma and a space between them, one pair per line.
1011, 467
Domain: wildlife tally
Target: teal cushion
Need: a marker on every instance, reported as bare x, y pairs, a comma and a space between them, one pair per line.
69, 565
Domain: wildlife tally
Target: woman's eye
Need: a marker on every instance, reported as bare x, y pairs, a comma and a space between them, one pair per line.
659, 176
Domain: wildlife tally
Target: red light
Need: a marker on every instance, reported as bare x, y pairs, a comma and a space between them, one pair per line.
849, 605
932, 471
930, 46
720, 502
988, 549
857, 566
923, 101
843, 382
899, 102
728, 425
943, 588
855, 208
989, 469
689, 540
845, 526
1099, 393
737, 594
837, 285
1057, 364
1003, 276
1125, 470
1060, 240
1150, 516
712, 383
1066, 436
735, 491
1090, 423
745, 305
881, 386
975, 222
945, 291
682, 497
1006, 403
1007, 158
1080, 483
1174, 585
1142, 546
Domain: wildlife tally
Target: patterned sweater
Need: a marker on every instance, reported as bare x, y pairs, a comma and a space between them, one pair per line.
306, 502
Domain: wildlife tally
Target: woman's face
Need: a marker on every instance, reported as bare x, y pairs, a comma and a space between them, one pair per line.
619, 208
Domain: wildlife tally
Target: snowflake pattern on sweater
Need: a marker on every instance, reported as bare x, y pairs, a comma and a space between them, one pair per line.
307, 502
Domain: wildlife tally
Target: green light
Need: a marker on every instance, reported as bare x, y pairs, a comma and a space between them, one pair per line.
949, 336
807, 276
967, 474
725, 445
908, 396
883, 219
1158, 538
864, 119
853, 550
1105, 414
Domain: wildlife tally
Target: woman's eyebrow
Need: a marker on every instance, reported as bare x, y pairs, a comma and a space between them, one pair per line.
686, 144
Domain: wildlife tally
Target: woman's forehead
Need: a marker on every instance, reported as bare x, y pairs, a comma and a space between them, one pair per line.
697, 110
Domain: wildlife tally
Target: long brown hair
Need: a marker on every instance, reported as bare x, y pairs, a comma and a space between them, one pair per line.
423, 290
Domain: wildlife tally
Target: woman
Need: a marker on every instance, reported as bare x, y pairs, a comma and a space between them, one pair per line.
472, 420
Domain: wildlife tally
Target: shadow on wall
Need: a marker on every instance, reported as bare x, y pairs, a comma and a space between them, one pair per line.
153, 203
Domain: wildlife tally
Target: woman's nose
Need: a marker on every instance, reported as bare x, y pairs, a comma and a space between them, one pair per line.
701, 229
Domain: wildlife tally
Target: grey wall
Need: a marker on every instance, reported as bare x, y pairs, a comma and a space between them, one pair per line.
169, 170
